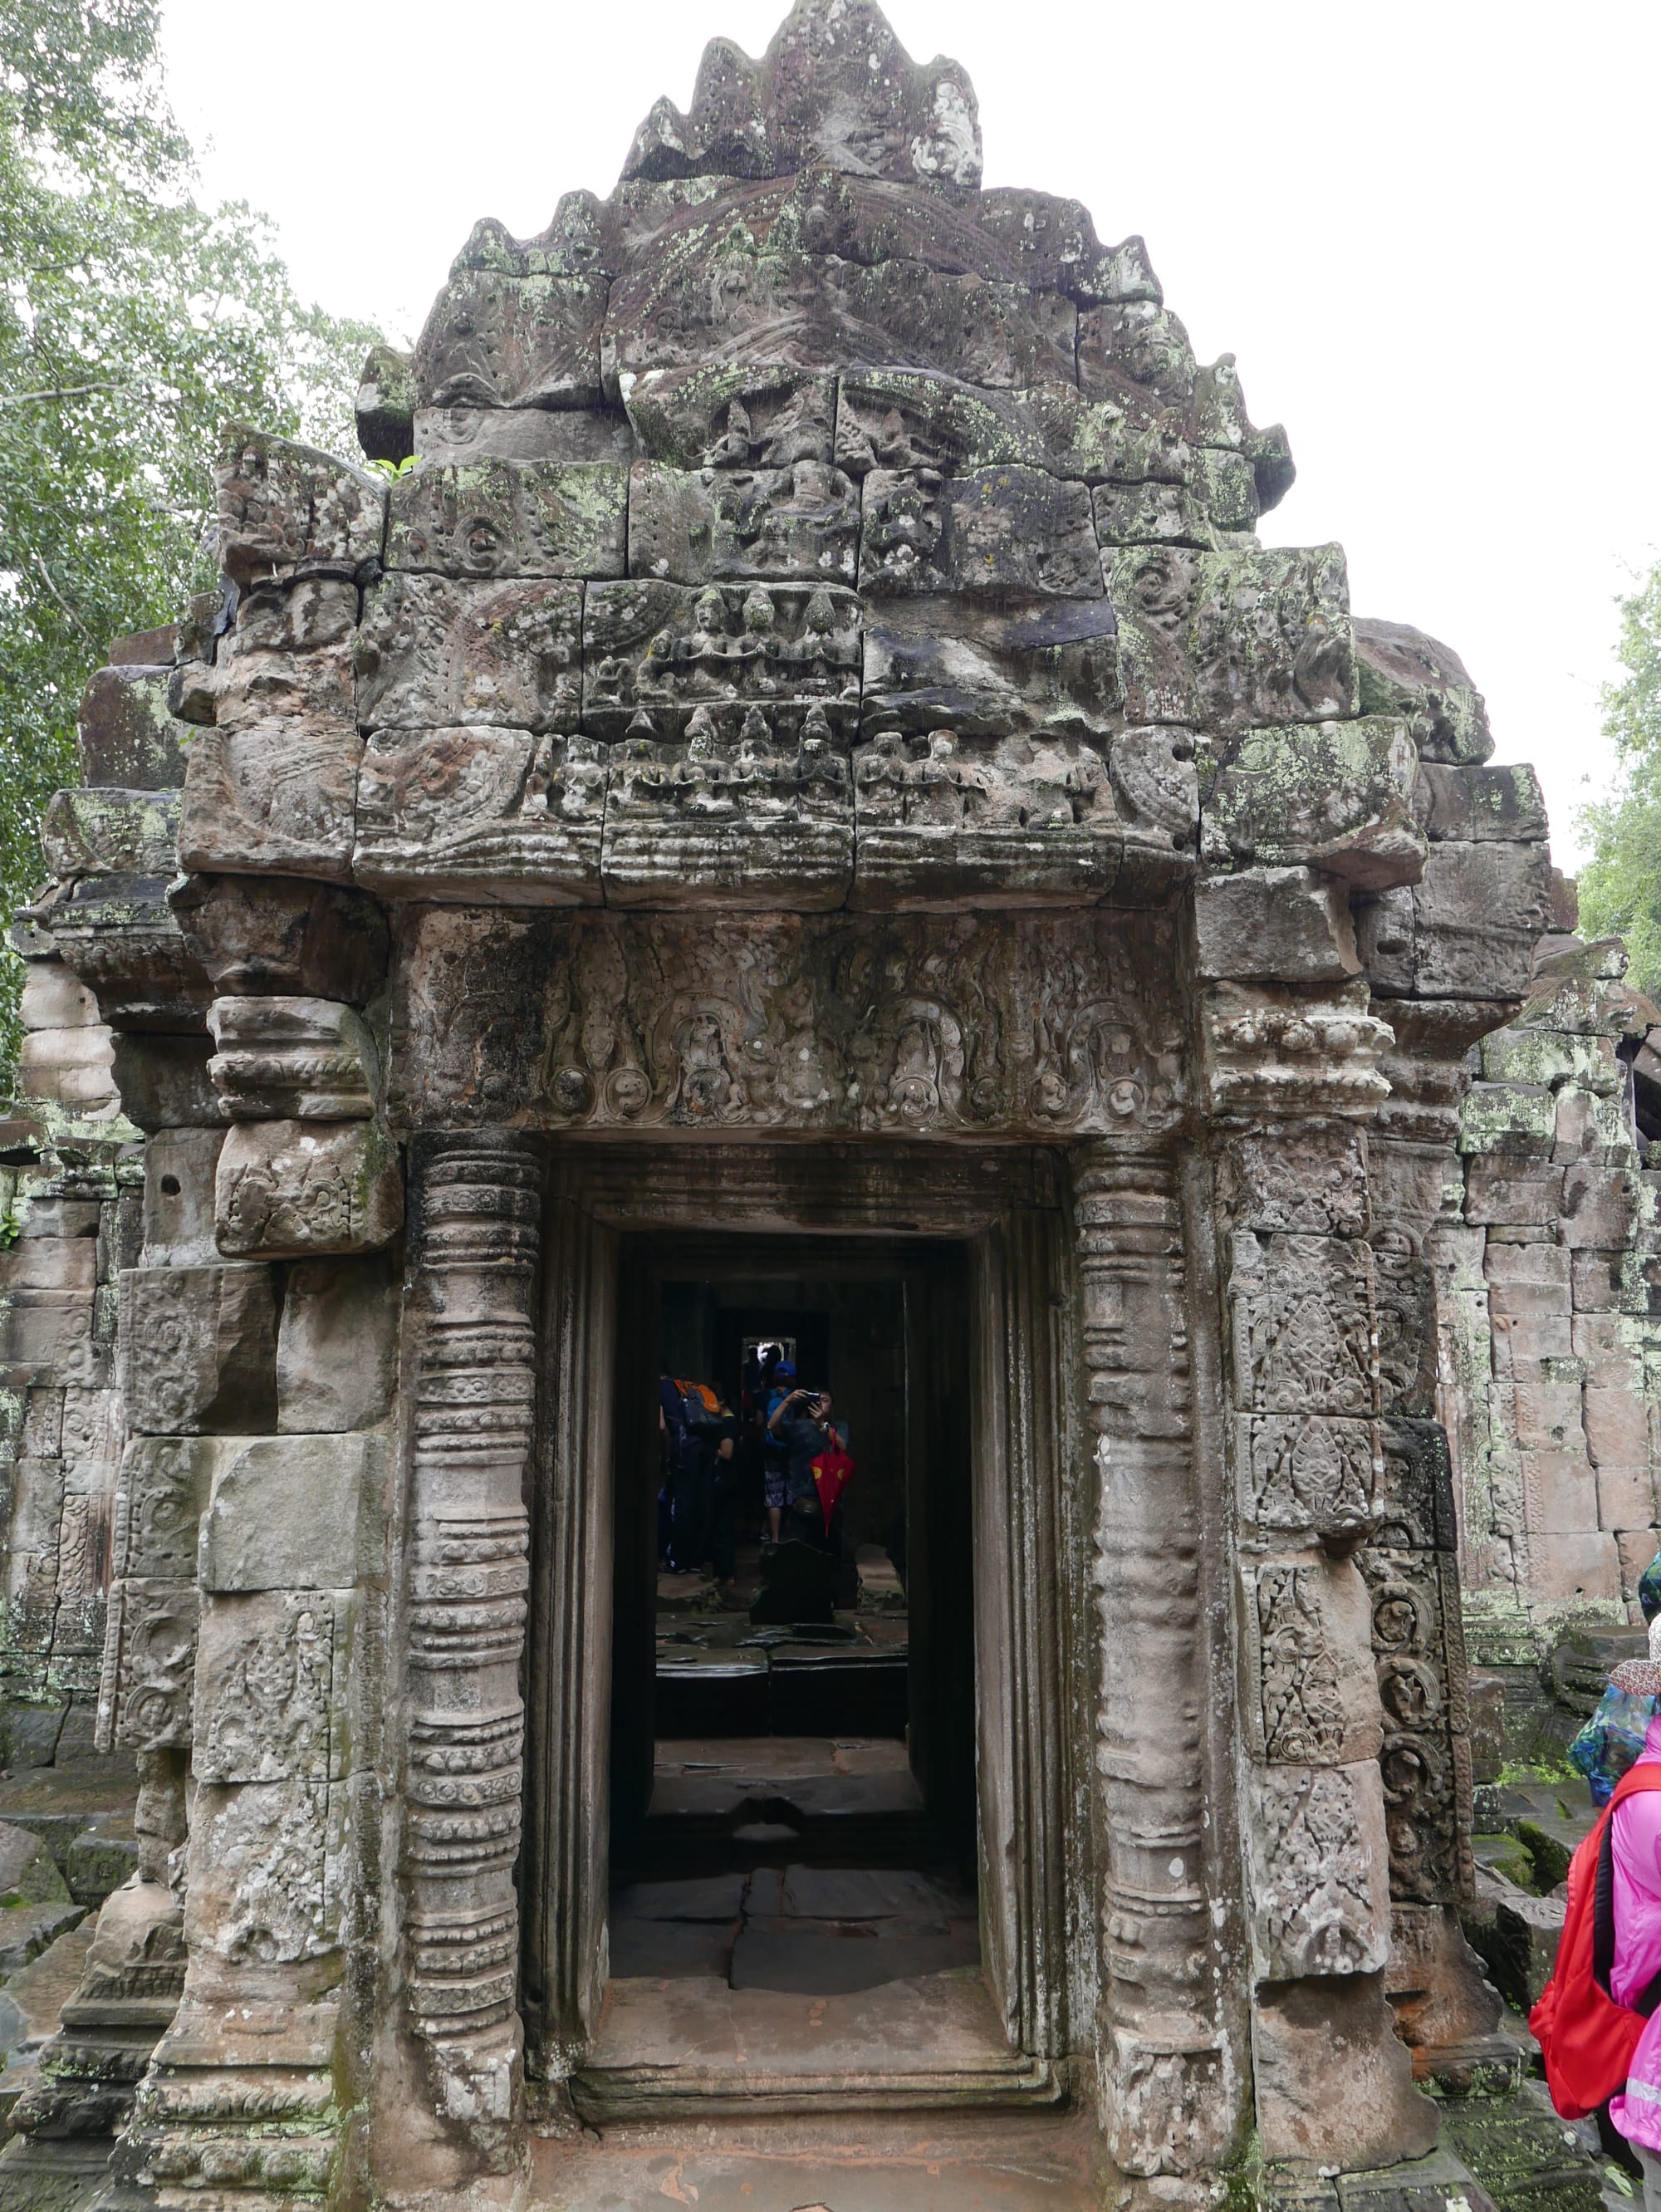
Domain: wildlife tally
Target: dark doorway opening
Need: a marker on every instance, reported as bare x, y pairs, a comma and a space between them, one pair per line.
793, 1723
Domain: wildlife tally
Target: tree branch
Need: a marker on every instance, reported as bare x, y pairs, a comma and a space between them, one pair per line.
51, 584
64, 391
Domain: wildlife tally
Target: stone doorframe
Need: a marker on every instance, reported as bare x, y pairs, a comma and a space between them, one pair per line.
1006, 1205
1108, 1839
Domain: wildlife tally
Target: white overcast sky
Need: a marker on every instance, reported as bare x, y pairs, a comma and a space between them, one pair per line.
1427, 232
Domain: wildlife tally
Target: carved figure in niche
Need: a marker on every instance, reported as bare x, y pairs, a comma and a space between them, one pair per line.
1303, 1719
894, 444
804, 1086
706, 1089
580, 782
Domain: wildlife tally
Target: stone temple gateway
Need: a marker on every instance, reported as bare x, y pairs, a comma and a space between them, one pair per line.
814, 747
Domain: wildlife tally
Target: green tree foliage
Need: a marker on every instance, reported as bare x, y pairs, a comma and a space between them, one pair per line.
133, 323
1621, 885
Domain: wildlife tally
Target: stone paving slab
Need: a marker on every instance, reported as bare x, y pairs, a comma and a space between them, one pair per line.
1023, 2165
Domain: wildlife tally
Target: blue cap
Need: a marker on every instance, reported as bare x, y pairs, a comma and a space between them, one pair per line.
784, 1367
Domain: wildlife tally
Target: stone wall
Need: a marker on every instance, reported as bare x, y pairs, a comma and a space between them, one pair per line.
1550, 1337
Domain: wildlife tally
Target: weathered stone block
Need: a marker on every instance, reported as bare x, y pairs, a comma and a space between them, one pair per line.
1136, 354
666, 650
1018, 821
1626, 1495
1334, 2082
990, 672
164, 1488
452, 436
149, 1660
904, 419
434, 652
127, 737
1506, 1121
162, 1080
1617, 1434
1336, 795
1310, 1697
119, 935
1152, 514
838, 90
179, 1205
384, 406
1470, 804
485, 518
1292, 1048
719, 297
1575, 1568
337, 1346
50, 1263
257, 1859
287, 510
276, 798
1601, 1205
501, 340
291, 1189
740, 418
1404, 672
1002, 531
1415, 1508
295, 1512
1517, 1194
1467, 930
1267, 923
740, 525
310, 1060
200, 1345
265, 1676
1559, 1490
1232, 640
1309, 1475
485, 814
1534, 1056
1303, 1325
857, 1034
300, 939
104, 832
1320, 1872
759, 824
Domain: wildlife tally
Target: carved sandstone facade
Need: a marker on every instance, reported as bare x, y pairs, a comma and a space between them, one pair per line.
815, 741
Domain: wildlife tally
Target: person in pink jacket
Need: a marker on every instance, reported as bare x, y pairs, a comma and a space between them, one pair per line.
1635, 2110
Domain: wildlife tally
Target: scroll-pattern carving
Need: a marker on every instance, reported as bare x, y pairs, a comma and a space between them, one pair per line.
1418, 1651
1169, 2078
467, 1577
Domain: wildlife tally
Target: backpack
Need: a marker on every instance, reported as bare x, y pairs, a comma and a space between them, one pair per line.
1586, 2039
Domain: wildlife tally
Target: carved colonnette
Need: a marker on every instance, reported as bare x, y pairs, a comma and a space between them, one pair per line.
472, 1392
1172, 2078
